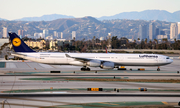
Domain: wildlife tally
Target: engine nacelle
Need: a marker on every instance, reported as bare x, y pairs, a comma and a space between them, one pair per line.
107, 65
94, 63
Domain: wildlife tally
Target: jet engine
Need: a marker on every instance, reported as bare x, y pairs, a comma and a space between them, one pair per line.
107, 65
94, 63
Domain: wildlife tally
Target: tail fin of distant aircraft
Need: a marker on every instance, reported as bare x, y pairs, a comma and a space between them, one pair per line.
106, 50
18, 44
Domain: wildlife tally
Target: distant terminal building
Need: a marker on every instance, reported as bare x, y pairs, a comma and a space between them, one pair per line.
173, 31
46, 32
73, 34
33, 44
2, 41
53, 45
4, 32
21, 33
143, 33
152, 32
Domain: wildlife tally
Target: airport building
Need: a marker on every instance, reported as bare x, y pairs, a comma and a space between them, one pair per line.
2, 41
33, 44
173, 31
53, 45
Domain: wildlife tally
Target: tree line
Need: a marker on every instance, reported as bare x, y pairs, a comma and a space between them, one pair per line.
116, 43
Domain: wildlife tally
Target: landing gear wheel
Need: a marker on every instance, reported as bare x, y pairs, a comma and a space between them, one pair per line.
85, 69
158, 69
88, 69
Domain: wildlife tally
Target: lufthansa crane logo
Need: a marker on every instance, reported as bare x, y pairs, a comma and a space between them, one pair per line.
16, 42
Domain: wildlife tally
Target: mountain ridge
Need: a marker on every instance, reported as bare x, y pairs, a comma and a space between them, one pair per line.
3, 19
162, 15
45, 17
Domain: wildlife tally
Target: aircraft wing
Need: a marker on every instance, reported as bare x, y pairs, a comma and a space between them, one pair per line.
79, 58
84, 59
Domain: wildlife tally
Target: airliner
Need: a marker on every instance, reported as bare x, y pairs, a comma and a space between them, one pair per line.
87, 60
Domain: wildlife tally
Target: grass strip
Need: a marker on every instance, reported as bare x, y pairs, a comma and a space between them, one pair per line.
2, 64
128, 80
116, 105
81, 89
123, 79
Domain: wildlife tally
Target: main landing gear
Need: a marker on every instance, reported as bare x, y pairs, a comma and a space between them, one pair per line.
85, 68
158, 69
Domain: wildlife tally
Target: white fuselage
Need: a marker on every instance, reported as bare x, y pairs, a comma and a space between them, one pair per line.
117, 59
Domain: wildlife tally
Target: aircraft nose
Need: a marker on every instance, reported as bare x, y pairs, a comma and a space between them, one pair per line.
170, 60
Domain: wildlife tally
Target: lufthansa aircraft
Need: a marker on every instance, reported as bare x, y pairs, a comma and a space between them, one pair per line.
102, 60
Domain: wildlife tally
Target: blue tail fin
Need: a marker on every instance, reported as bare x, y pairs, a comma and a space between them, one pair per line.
18, 44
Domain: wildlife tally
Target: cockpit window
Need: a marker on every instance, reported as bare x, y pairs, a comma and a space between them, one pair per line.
167, 57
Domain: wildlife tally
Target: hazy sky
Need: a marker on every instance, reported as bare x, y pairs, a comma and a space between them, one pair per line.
15, 9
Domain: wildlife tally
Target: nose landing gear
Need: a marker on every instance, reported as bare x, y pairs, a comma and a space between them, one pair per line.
85, 68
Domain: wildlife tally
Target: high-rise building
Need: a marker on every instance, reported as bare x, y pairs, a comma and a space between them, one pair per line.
55, 34
4, 32
178, 30
45, 32
173, 31
109, 41
162, 32
152, 33
21, 32
73, 34
143, 31
61, 35
157, 32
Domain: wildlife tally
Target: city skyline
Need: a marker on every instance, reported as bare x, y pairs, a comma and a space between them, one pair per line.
12, 10
90, 27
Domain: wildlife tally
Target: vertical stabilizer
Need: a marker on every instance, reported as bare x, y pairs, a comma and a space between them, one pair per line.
18, 44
